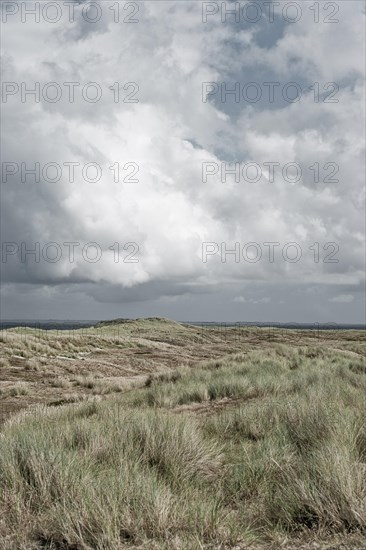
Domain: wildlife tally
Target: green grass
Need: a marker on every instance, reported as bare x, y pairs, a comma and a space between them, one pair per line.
275, 372
96, 476
261, 447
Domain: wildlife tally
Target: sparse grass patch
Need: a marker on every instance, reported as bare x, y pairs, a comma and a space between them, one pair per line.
60, 382
87, 381
4, 362
33, 364
14, 391
103, 387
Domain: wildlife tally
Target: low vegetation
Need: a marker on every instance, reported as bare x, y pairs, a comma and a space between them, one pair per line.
261, 447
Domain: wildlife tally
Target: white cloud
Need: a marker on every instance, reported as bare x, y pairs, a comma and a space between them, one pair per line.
170, 212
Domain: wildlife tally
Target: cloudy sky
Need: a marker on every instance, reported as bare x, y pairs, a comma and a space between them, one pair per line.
187, 162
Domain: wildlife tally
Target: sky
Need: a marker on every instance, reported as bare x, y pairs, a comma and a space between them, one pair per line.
175, 159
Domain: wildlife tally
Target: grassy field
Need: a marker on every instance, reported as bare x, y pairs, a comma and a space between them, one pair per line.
151, 434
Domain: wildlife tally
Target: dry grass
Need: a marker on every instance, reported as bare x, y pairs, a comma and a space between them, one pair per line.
14, 390
259, 444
